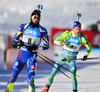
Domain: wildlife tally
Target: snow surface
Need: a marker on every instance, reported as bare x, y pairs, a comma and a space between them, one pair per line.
56, 13
89, 80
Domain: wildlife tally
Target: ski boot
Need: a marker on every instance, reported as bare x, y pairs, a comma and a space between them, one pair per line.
74, 90
5, 90
46, 89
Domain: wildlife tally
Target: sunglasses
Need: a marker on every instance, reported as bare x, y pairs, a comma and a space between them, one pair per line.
34, 17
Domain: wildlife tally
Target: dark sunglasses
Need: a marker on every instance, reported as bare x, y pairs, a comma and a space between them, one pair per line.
34, 17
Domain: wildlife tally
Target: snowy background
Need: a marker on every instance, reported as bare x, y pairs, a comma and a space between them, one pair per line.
55, 13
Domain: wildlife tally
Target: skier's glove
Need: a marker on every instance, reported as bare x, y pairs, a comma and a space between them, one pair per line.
66, 60
30, 48
20, 43
84, 57
66, 43
45, 37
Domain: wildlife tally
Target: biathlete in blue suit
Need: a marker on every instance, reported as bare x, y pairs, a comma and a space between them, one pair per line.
28, 37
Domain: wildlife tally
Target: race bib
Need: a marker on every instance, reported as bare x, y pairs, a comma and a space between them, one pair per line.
72, 47
31, 40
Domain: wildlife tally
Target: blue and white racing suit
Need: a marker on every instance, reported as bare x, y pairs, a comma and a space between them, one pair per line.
29, 35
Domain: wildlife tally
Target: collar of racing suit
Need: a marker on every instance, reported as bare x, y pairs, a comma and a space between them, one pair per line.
34, 25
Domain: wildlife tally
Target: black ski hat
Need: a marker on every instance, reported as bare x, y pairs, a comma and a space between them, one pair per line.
35, 12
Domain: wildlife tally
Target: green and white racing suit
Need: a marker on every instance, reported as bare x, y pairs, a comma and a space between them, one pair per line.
69, 51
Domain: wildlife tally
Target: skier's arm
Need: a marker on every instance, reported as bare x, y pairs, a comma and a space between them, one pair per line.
45, 38
63, 36
87, 45
18, 34
45, 45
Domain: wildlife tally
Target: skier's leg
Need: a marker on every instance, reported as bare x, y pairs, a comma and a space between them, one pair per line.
14, 75
31, 75
31, 67
17, 67
50, 78
9, 87
53, 73
73, 68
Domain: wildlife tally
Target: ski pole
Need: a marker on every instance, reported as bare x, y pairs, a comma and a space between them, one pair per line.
80, 59
55, 67
53, 62
56, 63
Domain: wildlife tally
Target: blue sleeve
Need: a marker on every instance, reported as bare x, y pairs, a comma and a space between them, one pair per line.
44, 32
45, 45
18, 34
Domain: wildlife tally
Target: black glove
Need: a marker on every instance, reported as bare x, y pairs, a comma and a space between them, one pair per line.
45, 37
30, 48
20, 43
84, 57
66, 43
66, 60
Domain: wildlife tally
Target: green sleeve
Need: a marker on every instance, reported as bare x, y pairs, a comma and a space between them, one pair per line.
87, 44
62, 37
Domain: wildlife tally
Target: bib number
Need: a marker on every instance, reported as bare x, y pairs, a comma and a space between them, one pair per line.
29, 40
71, 46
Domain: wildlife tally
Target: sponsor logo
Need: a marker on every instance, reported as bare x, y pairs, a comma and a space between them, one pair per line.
16, 63
32, 66
31, 32
69, 52
74, 40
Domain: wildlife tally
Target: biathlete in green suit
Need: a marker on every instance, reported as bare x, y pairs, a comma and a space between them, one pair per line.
72, 41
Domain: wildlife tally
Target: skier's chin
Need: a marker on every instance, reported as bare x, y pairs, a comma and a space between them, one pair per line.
77, 33
35, 22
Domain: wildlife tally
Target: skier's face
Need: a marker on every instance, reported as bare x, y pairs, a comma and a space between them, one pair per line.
76, 30
36, 19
